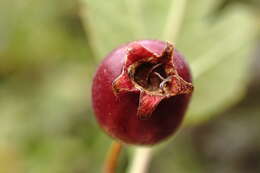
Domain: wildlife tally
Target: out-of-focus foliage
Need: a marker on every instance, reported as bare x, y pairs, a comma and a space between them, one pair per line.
46, 124
47, 59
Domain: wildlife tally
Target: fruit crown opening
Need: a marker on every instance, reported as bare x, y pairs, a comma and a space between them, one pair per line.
154, 76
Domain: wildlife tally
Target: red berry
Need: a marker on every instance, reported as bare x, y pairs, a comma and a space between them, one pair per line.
141, 91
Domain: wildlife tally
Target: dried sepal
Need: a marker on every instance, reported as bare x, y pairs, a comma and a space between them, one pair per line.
153, 75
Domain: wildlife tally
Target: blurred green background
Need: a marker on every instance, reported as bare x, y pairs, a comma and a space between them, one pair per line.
49, 50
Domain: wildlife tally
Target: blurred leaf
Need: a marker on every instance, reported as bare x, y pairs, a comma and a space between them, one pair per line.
219, 54
217, 47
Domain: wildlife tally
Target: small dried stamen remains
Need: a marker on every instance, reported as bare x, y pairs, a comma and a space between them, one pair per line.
149, 76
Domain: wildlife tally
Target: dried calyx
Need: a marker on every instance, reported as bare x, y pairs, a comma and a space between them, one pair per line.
153, 75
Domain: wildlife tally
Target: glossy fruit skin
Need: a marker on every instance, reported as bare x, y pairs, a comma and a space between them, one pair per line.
117, 114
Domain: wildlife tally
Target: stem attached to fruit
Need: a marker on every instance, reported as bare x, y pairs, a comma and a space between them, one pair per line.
112, 158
